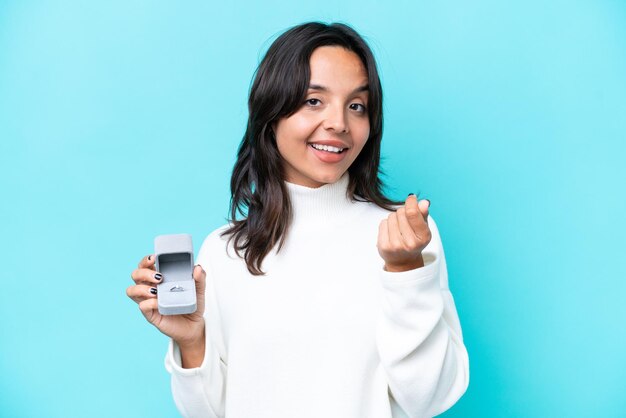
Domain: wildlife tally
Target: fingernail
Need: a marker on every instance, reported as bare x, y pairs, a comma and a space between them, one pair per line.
411, 194
153, 290
428, 202
149, 257
158, 276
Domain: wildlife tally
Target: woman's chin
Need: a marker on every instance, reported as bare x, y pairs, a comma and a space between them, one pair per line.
329, 178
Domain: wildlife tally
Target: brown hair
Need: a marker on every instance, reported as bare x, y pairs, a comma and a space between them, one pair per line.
258, 192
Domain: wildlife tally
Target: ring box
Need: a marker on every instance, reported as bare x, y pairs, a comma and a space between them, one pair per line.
176, 294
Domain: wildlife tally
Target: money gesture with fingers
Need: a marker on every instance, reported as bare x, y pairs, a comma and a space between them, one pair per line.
404, 234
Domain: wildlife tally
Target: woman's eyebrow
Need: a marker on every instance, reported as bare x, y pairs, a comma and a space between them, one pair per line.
319, 87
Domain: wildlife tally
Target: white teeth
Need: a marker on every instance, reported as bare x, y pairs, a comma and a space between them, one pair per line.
327, 148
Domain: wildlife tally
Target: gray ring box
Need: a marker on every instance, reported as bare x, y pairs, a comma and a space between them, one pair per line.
176, 294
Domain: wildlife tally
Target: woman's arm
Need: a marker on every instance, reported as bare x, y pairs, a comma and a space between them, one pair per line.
419, 337
197, 370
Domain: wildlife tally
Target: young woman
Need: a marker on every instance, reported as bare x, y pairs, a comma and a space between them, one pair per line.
323, 298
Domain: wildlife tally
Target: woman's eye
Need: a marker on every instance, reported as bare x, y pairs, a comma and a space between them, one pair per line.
359, 107
312, 102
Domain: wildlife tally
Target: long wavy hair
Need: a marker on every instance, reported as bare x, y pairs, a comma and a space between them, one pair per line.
258, 192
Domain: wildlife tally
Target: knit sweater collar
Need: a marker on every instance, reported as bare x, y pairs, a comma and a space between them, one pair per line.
327, 204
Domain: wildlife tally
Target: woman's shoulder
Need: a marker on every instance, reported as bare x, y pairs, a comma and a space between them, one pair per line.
372, 209
215, 240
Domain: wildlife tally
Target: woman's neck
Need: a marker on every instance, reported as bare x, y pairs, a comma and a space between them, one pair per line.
327, 204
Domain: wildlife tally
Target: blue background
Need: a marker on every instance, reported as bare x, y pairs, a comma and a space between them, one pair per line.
120, 121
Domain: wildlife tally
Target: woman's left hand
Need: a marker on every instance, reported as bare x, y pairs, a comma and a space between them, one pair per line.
404, 234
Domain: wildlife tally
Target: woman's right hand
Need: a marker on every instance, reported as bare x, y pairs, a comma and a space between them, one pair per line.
187, 330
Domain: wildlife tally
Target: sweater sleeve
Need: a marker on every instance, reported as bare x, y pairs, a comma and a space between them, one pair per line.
419, 337
200, 391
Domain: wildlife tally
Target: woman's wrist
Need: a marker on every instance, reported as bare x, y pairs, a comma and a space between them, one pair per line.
192, 352
397, 268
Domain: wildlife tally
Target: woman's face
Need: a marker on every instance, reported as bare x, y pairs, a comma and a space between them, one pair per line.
334, 114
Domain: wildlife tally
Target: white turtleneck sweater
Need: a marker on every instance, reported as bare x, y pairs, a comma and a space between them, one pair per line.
327, 332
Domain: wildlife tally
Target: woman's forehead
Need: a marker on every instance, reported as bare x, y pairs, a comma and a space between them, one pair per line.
336, 67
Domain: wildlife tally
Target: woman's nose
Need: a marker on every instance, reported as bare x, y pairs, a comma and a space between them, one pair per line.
335, 119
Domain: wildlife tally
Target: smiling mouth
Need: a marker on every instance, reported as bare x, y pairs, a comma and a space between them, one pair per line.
328, 148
